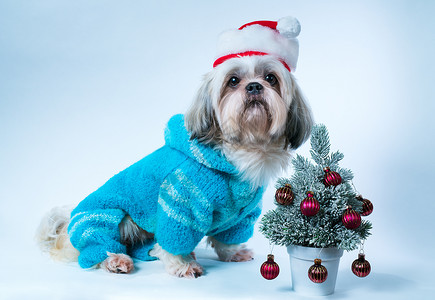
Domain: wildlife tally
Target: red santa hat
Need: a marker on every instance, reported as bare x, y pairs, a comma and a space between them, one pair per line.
262, 38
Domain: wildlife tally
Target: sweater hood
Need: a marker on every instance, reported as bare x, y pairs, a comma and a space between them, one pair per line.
177, 137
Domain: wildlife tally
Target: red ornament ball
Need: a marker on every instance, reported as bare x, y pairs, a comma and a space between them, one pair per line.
317, 272
310, 206
269, 269
284, 195
360, 266
367, 206
351, 219
331, 177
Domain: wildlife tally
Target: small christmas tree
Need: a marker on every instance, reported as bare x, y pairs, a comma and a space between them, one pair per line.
317, 206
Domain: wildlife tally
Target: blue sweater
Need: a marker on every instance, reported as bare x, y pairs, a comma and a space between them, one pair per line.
181, 193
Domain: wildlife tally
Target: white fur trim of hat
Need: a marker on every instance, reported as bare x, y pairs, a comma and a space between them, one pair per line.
262, 38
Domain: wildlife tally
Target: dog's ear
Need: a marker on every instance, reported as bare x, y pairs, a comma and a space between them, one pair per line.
299, 119
200, 118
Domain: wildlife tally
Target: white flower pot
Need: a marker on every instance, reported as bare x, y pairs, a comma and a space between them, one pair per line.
302, 258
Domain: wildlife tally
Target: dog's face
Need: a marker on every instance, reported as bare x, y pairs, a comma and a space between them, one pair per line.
250, 101
253, 102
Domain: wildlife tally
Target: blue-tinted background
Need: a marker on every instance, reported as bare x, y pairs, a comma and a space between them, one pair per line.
86, 88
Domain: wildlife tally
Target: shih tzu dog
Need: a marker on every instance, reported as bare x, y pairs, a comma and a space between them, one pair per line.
209, 178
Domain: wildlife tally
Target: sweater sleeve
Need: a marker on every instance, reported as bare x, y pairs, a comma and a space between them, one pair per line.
241, 231
94, 233
184, 214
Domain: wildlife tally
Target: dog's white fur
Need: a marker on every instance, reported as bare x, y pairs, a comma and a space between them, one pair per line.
254, 132
52, 236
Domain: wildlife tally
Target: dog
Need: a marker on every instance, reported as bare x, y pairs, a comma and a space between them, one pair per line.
247, 117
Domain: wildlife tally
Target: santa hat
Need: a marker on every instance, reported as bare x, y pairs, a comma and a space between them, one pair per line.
262, 38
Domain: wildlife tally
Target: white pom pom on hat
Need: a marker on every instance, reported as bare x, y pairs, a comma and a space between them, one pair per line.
277, 38
289, 27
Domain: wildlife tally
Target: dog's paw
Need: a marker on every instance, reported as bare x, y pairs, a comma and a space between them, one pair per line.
233, 252
118, 263
191, 269
240, 255
178, 265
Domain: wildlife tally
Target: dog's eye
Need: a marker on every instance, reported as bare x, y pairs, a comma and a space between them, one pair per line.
234, 81
271, 79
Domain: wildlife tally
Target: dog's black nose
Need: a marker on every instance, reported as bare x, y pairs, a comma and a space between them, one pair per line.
254, 88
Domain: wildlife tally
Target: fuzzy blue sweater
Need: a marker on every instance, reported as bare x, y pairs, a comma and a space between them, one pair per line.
181, 193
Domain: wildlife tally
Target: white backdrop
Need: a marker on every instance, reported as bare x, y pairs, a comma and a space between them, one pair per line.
86, 88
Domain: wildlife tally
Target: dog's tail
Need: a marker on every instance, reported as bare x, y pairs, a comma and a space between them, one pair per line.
52, 235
